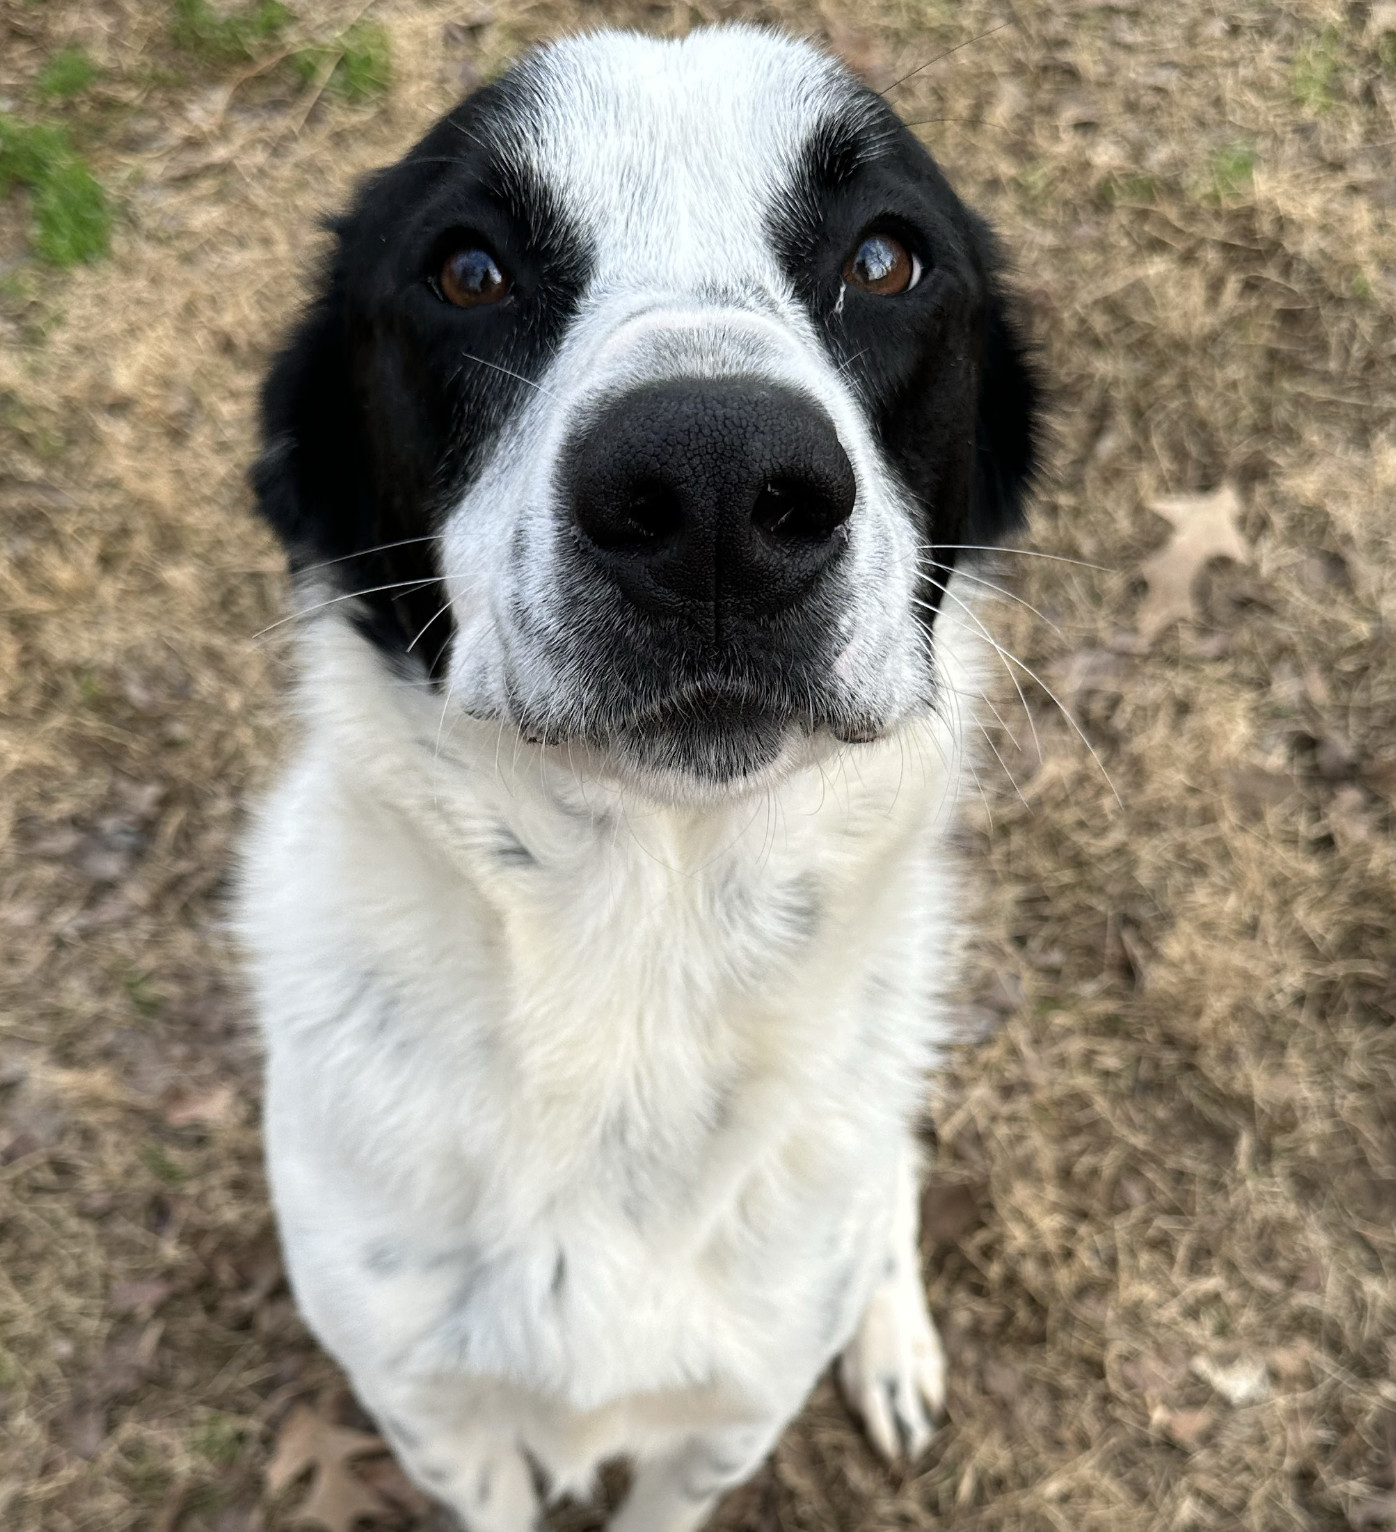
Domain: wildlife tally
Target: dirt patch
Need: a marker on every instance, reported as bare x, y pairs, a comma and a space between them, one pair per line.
1161, 1234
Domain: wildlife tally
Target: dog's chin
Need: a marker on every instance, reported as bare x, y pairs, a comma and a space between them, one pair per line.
711, 742
704, 746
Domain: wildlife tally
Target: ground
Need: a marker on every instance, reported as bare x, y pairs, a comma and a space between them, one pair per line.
1160, 1232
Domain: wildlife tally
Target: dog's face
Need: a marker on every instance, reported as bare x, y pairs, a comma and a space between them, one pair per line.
649, 401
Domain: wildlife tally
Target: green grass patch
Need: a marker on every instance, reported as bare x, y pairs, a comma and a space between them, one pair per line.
68, 73
225, 37
217, 1439
1315, 67
141, 992
72, 218
360, 62
157, 1160
1231, 173
1133, 188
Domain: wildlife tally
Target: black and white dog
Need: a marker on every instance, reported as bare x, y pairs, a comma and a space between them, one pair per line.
629, 462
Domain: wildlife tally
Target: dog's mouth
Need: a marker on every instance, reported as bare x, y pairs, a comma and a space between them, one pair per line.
715, 725
724, 734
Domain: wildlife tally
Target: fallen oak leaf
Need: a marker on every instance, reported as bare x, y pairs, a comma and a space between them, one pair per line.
139, 1297
182, 1105
338, 1497
1187, 1429
386, 1477
1245, 1381
1204, 528
858, 48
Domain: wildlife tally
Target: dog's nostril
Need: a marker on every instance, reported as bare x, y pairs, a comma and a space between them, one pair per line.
791, 511
652, 514
637, 518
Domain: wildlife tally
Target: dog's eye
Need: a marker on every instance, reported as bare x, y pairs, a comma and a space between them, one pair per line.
471, 277
882, 265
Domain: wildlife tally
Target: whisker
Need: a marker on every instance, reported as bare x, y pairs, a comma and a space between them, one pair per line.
988, 702
1027, 669
1000, 591
510, 373
994, 644
363, 553
1027, 553
440, 612
951, 691
352, 595
939, 56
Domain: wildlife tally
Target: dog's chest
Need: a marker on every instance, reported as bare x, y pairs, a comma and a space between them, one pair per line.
580, 1070
619, 1089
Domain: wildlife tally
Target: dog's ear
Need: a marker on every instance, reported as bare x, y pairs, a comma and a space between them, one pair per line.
1007, 426
311, 479
318, 484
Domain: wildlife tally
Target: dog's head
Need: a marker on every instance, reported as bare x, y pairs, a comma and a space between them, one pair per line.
648, 402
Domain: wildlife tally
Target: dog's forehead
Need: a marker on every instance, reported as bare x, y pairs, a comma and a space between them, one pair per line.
676, 153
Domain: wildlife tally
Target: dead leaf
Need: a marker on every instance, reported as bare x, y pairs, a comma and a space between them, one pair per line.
1246, 1381
338, 1496
1347, 817
858, 48
1380, 1511
1255, 789
470, 19
1204, 528
950, 1209
85, 1429
1008, 105
387, 1478
1088, 672
1152, 1375
183, 1105
1381, 19
1292, 1363
1184, 1428
139, 1297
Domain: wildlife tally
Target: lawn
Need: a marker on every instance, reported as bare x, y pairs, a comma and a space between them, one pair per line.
1161, 1229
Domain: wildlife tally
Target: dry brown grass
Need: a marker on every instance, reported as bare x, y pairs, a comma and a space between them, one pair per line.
1174, 1155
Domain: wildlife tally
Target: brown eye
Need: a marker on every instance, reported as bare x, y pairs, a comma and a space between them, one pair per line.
470, 277
882, 265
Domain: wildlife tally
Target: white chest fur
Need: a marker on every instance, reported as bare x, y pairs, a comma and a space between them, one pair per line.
548, 1064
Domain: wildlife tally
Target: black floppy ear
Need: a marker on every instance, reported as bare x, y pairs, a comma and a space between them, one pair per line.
318, 484
1007, 427
310, 480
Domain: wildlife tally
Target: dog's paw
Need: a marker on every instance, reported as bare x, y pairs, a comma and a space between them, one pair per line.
893, 1370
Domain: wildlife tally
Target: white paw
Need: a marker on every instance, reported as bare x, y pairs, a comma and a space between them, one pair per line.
893, 1370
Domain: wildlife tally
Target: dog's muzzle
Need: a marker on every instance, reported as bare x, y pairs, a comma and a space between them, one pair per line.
712, 503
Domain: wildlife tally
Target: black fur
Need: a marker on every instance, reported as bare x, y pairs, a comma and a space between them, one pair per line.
386, 397
944, 368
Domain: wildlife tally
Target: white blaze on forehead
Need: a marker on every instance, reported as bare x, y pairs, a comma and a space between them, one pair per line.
672, 155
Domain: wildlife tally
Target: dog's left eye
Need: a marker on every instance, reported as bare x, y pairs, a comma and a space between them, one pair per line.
472, 277
882, 265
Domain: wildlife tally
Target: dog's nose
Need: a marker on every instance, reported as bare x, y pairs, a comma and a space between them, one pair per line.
710, 498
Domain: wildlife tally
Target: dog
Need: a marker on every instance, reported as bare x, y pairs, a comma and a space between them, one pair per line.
632, 460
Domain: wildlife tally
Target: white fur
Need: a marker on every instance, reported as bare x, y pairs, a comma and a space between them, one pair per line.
588, 1100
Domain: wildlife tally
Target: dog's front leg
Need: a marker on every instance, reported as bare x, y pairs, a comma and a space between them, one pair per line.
893, 1370
479, 1473
678, 1491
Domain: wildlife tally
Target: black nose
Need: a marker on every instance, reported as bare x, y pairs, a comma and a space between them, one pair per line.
710, 499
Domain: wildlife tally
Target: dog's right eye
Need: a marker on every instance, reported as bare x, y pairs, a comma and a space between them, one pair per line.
471, 277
